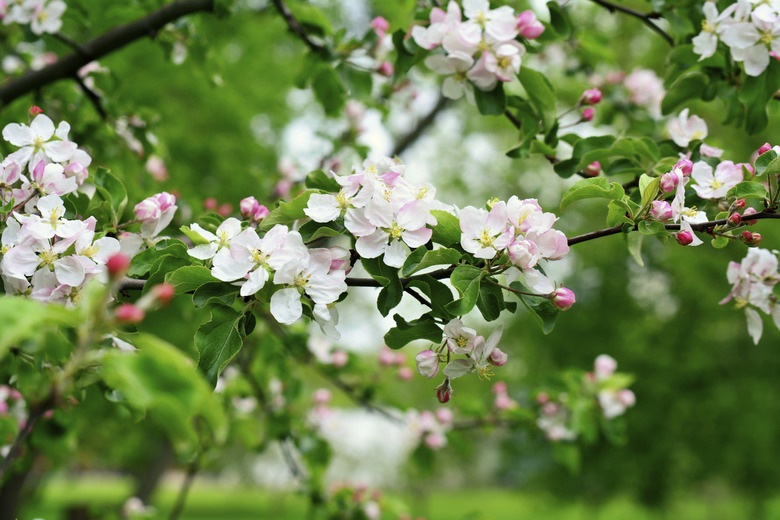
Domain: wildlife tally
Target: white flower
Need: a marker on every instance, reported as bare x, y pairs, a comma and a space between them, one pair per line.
709, 186
37, 138
479, 361
225, 232
685, 129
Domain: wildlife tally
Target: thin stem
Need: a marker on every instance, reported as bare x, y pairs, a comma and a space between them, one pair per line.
35, 413
513, 290
181, 499
646, 18
296, 27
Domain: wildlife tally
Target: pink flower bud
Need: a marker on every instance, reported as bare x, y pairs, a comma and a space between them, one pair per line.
252, 210
528, 25
499, 388
660, 210
129, 313
503, 402
210, 204
444, 415
746, 213
735, 218
563, 298
164, 292
225, 209
669, 182
626, 397
685, 165
117, 264
684, 238
444, 391
604, 366
427, 363
498, 358
593, 169
386, 69
165, 200
435, 441
35, 110
764, 148
590, 97
386, 357
588, 113
542, 397
339, 358
739, 204
754, 240
380, 26
322, 396
405, 373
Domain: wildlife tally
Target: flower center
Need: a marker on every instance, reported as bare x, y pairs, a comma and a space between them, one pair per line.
90, 251
716, 184
395, 230
485, 371
47, 257
341, 199
486, 239
257, 256
504, 62
706, 26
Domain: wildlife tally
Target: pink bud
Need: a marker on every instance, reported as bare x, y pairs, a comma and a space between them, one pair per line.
542, 397
588, 113
427, 363
739, 204
503, 402
604, 366
35, 110
735, 218
528, 25
684, 238
669, 182
563, 298
685, 165
339, 358
129, 313
165, 200
210, 204
626, 397
444, 415
164, 292
444, 391
380, 26
593, 169
746, 213
405, 373
225, 209
747, 236
756, 239
499, 388
764, 148
247, 206
386, 69
499, 358
435, 441
386, 357
590, 97
322, 396
660, 210
117, 264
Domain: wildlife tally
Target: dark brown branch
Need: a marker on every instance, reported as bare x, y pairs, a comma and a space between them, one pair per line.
93, 97
646, 18
509, 115
422, 125
296, 27
107, 43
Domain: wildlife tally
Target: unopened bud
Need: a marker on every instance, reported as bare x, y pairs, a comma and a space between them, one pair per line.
542, 397
129, 313
669, 182
661, 210
386, 69
339, 358
748, 212
764, 148
427, 363
751, 239
117, 264
498, 357
405, 373
225, 209
626, 398
684, 238
735, 218
380, 26
164, 293
685, 166
444, 391
210, 204
593, 168
591, 96
528, 25
322, 396
739, 204
499, 388
563, 298
588, 113
35, 110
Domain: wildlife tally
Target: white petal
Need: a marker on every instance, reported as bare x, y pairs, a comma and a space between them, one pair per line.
286, 306
754, 324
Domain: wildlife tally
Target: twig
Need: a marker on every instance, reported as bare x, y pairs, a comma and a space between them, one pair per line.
35, 413
105, 44
646, 18
181, 499
422, 125
296, 27
509, 115
93, 97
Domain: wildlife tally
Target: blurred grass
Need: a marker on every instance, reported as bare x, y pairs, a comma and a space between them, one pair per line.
213, 501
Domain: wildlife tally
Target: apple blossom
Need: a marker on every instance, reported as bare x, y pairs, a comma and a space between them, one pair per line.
590, 97
685, 129
528, 25
479, 361
588, 114
563, 298
427, 363
660, 210
714, 186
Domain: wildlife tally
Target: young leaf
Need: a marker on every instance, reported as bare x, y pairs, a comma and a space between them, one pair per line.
597, 187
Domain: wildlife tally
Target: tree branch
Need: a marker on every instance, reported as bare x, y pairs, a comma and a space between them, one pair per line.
107, 43
422, 125
35, 413
646, 18
296, 27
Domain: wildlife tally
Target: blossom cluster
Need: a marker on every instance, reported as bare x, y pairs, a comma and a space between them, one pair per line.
430, 427
43, 16
279, 256
613, 399
481, 49
753, 281
387, 214
751, 31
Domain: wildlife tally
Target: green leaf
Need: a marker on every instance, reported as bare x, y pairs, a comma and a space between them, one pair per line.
720, 242
319, 180
542, 309
407, 52
687, 87
24, 319
763, 161
617, 213
214, 292
652, 228
438, 294
117, 194
748, 190
405, 332
189, 278
311, 18
287, 212
447, 229
466, 279
392, 290
196, 238
558, 19
649, 191
634, 241
218, 341
492, 103
541, 94
312, 230
597, 187
421, 258
329, 90
143, 262
490, 301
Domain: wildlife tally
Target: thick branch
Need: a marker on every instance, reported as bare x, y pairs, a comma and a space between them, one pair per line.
646, 18
107, 43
